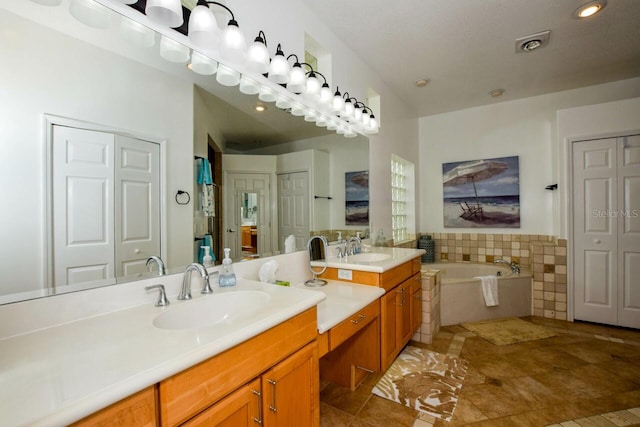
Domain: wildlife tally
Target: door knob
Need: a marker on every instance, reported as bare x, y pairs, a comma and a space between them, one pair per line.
230, 230
136, 251
597, 241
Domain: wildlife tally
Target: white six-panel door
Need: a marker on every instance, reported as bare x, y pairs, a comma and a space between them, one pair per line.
606, 231
106, 205
137, 215
293, 208
83, 220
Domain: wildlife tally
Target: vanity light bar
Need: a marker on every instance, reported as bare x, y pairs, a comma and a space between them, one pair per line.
225, 53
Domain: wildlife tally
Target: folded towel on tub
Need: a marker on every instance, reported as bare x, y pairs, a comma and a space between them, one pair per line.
489, 289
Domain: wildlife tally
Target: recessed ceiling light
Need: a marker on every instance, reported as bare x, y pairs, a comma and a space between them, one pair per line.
422, 82
590, 9
496, 93
532, 42
260, 108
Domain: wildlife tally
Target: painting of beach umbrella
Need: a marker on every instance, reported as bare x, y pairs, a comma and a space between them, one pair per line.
494, 201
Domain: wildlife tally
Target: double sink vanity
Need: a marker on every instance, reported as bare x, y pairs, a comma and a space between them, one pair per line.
248, 355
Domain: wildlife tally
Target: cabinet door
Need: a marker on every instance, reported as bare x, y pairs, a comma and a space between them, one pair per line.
388, 325
291, 390
403, 319
241, 408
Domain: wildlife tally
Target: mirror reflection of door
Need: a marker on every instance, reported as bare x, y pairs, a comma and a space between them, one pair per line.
247, 204
293, 209
248, 220
106, 205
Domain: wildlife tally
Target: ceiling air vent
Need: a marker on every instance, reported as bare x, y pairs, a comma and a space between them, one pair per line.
532, 42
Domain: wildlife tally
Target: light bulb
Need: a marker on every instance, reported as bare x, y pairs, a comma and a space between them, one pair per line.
297, 79
348, 109
234, 46
313, 85
203, 28
258, 56
338, 103
325, 94
279, 69
357, 115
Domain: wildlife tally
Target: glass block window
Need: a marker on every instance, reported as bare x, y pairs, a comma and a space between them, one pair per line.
399, 197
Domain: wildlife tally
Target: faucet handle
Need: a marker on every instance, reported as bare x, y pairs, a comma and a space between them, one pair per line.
206, 288
162, 298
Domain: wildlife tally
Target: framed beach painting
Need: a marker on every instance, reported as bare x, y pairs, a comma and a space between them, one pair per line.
482, 193
356, 198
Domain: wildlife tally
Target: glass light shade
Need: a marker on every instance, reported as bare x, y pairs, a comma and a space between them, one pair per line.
349, 110
248, 86
202, 65
203, 28
173, 51
350, 133
325, 94
48, 2
136, 33
332, 125
310, 116
258, 58
357, 115
365, 119
90, 13
337, 104
227, 76
267, 94
234, 47
297, 80
283, 102
372, 127
313, 85
322, 121
342, 129
165, 12
279, 69
297, 109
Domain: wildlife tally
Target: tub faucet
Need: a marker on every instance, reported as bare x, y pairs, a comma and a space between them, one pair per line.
159, 263
515, 268
185, 291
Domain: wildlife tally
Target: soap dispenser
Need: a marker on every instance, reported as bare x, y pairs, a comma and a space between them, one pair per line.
207, 259
227, 277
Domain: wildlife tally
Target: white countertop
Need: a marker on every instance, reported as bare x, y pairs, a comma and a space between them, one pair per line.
61, 374
343, 300
397, 256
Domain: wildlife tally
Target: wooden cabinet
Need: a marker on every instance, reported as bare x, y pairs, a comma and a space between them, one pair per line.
242, 408
285, 395
396, 321
136, 410
195, 389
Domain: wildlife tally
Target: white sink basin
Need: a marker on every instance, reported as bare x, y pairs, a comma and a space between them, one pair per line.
368, 257
212, 309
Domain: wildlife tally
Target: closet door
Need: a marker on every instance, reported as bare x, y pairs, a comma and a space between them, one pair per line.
83, 220
606, 232
293, 208
137, 213
629, 231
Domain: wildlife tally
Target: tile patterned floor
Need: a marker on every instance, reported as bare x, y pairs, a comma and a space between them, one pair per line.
588, 375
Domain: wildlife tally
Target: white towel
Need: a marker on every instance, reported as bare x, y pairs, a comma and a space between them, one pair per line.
289, 244
489, 289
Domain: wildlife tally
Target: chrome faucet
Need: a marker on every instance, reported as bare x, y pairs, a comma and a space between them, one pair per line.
354, 245
515, 268
185, 291
159, 263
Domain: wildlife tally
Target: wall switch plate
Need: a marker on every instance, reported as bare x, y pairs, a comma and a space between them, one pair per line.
345, 274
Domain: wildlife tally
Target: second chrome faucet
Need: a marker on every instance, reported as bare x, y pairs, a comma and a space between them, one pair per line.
185, 291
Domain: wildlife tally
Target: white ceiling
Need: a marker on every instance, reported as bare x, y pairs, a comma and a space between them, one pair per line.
467, 47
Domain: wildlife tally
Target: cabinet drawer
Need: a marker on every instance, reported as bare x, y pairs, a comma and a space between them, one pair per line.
348, 327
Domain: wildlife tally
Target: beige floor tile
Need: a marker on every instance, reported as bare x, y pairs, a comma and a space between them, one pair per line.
332, 417
382, 412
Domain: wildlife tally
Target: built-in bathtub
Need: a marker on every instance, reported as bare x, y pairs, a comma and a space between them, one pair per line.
461, 297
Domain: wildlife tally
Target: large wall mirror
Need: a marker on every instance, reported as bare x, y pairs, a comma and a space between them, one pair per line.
59, 71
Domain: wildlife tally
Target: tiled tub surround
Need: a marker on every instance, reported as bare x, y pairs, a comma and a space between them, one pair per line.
545, 255
430, 306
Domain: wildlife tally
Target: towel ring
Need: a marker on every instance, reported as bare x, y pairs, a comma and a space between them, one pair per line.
180, 193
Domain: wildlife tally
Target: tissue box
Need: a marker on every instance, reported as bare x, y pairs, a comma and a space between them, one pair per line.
282, 283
